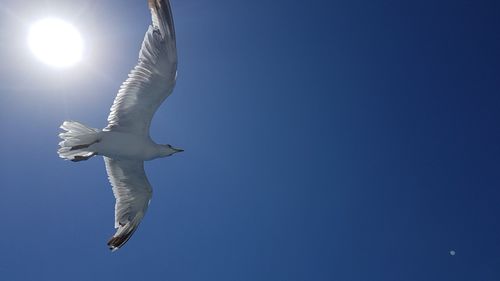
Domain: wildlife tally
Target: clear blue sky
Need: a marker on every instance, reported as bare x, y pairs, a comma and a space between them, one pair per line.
325, 140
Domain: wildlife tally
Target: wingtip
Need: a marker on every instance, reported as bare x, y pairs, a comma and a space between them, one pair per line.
113, 249
123, 233
161, 14
116, 242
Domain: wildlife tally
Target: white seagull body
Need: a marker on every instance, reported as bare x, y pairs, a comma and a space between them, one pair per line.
125, 142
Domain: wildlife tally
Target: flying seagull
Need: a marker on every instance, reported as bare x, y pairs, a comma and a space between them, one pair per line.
125, 142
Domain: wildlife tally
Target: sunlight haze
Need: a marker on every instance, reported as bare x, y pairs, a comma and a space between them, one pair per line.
55, 42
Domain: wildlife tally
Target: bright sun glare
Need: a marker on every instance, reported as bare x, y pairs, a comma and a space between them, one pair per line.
55, 42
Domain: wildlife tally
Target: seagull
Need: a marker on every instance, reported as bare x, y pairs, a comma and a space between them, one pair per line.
125, 142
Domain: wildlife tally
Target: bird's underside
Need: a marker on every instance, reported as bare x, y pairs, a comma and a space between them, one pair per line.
149, 83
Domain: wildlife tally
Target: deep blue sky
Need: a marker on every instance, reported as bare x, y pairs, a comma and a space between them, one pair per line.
325, 140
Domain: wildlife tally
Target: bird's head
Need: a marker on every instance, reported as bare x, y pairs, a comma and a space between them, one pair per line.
167, 150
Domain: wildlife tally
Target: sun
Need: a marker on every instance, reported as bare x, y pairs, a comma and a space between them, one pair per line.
55, 42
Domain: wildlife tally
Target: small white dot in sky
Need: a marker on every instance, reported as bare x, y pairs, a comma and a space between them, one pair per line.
452, 252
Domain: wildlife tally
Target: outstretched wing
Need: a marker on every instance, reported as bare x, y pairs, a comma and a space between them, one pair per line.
132, 192
152, 79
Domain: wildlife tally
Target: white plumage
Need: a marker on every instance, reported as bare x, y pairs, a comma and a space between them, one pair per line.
125, 142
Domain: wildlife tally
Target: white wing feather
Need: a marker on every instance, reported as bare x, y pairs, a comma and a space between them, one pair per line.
153, 78
132, 192
148, 85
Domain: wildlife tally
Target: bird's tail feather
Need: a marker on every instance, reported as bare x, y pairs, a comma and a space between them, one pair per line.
76, 141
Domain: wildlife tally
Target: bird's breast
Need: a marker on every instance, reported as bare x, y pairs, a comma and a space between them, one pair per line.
119, 145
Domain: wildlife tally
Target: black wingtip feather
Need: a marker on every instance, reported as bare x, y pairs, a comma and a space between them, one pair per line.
116, 242
162, 17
